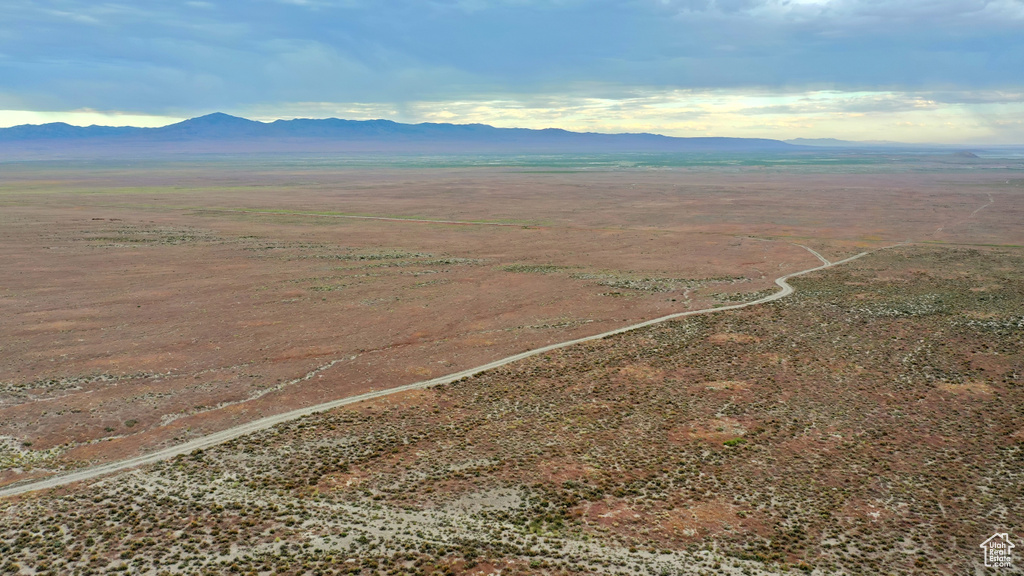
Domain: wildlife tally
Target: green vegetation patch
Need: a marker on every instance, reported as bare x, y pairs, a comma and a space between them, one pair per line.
649, 284
533, 268
373, 256
137, 236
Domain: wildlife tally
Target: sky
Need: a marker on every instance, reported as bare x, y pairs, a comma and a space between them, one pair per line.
941, 71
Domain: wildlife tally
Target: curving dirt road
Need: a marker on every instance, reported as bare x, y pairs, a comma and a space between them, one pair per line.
264, 423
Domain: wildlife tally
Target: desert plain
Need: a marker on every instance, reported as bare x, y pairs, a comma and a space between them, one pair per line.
869, 423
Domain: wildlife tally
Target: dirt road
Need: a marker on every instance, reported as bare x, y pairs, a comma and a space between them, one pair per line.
269, 421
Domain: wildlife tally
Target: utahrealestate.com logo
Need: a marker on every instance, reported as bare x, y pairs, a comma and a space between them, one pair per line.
998, 551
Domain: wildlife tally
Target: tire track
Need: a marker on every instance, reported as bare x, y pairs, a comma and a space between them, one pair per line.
222, 436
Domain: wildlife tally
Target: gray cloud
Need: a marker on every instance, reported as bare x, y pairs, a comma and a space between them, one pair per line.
165, 57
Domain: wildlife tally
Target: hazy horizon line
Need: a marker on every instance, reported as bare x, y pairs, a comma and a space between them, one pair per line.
171, 120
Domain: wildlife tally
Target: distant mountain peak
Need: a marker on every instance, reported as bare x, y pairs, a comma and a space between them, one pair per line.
219, 119
223, 132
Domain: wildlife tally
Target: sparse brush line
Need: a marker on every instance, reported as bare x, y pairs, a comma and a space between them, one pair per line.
356, 217
270, 421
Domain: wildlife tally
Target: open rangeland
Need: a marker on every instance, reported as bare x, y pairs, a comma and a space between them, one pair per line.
867, 424
148, 305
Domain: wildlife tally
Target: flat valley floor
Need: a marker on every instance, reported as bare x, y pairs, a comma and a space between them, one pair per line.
869, 423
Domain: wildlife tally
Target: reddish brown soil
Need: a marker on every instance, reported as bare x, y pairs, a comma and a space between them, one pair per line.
146, 306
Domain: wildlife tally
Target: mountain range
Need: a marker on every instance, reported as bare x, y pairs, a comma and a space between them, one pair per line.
220, 132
